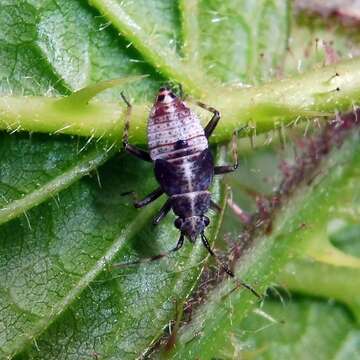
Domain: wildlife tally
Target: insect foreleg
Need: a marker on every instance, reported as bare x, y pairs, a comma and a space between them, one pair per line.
214, 206
163, 212
148, 199
131, 149
224, 169
179, 243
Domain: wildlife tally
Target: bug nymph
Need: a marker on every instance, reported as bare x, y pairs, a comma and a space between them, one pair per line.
183, 164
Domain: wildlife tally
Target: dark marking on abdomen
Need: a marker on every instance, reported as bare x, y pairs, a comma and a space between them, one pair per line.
196, 203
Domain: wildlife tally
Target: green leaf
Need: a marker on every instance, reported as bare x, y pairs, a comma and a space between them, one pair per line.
46, 165
256, 34
59, 261
60, 230
57, 247
299, 328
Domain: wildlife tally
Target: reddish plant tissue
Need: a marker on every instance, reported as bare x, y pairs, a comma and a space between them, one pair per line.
347, 11
302, 171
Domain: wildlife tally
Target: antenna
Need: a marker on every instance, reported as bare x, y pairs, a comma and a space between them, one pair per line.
226, 268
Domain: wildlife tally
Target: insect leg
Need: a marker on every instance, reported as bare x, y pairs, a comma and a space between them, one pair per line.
226, 268
155, 257
210, 127
148, 199
163, 212
224, 169
179, 243
214, 206
208, 248
131, 149
176, 248
207, 245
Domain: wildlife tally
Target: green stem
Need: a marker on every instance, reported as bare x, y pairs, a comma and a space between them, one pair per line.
161, 59
323, 270
263, 107
320, 249
313, 94
190, 31
48, 115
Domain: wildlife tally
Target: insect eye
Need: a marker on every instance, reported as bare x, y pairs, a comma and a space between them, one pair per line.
178, 222
161, 97
172, 95
206, 221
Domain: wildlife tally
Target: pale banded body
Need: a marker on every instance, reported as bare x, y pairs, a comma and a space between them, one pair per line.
183, 164
171, 124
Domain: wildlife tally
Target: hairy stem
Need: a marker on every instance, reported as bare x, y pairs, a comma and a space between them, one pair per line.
314, 94
310, 95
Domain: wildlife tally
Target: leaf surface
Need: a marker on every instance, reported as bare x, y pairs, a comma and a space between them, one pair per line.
299, 328
61, 230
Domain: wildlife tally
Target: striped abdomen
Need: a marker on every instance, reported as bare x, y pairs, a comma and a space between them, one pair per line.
174, 131
183, 163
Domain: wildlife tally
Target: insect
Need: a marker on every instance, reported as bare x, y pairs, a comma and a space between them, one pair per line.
183, 165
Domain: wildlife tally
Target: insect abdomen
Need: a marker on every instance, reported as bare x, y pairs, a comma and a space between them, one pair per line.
186, 174
196, 203
172, 128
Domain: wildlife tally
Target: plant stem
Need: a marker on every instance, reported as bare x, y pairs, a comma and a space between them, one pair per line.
190, 31
263, 108
43, 114
310, 95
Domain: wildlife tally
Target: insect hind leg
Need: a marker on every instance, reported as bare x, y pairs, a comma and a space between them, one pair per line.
162, 212
146, 200
225, 169
131, 149
153, 258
